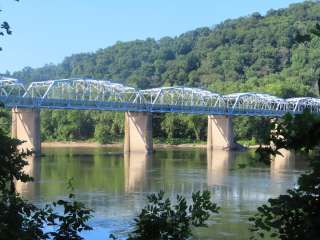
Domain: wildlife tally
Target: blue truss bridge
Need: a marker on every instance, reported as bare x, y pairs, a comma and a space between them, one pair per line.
90, 94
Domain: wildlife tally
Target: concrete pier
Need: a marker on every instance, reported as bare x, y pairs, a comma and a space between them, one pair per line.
220, 133
138, 132
26, 127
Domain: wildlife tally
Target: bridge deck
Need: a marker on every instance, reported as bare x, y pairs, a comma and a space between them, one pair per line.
89, 94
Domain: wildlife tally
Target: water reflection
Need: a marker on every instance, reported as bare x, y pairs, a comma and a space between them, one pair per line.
282, 163
218, 164
248, 186
135, 168
30, 190
116, 185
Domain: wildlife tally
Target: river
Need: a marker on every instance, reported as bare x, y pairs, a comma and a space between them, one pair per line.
116, 186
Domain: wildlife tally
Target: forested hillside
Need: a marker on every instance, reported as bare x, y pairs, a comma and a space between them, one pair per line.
252, 53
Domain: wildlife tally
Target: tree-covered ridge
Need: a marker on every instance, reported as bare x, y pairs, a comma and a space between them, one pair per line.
252, 53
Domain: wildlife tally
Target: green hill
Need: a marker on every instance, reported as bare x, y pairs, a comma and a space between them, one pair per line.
252, 53
248, 50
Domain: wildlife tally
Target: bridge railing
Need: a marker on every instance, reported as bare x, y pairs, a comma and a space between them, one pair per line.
92, 94
28, 102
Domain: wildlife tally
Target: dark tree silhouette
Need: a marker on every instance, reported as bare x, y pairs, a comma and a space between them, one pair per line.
5, 27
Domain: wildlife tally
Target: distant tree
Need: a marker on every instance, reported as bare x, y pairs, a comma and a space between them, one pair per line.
298, 133
102, 133
307, 37
296, 214
301, 38
253, 53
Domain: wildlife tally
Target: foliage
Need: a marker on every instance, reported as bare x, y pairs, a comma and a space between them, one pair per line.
253, 53
20, 219
12, 163
5, 120
255, 130
295, 215
161, 219
179, 126
5, 28
299, 133
72, 221
308, 36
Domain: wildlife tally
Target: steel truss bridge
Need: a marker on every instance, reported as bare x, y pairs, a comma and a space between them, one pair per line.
90, 94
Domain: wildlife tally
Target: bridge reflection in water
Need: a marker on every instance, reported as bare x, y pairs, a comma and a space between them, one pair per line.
252, 184
173, 171
29, 190
135, 171
116, 185
219, 163
282, 163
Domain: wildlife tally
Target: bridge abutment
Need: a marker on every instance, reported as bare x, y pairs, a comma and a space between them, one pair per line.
220, 133
138, 132
26, 127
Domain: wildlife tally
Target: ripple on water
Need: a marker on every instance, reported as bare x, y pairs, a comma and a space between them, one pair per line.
116, 186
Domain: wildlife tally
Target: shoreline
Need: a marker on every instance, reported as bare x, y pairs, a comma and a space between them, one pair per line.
84, 144
80, 144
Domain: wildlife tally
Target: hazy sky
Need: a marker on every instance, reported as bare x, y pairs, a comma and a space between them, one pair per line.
46, 31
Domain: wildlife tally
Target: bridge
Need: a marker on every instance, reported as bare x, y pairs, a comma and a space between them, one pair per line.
138, 105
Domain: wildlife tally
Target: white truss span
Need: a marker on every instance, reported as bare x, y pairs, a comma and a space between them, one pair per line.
182, 96
11, 87
81, 89
93, 94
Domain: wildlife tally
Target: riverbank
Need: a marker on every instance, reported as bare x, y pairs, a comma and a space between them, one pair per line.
85, 144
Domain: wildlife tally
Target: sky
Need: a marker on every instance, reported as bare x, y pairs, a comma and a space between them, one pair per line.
46, 31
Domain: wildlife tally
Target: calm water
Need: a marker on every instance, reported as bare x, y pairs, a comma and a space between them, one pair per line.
116, 186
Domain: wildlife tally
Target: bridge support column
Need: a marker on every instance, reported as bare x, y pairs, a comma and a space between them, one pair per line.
138, 132
26, 127
220, 133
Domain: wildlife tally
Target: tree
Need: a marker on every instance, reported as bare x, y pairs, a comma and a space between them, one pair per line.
72, 221
102, 133
302, 38
296, 214
292, 216
161, 220
20, 219
299, 133
254, 53
5, 28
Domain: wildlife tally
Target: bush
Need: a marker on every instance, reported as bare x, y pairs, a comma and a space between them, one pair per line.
20, 219
102, 134
161, 219
292, 216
